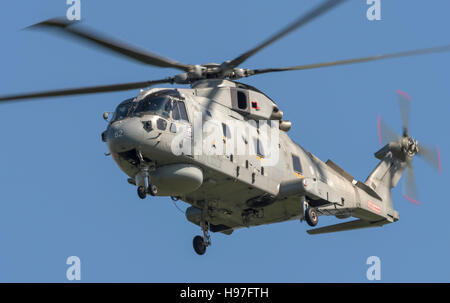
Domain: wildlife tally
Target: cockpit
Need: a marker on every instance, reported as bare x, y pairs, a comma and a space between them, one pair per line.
122, 110
165, 103
158, 105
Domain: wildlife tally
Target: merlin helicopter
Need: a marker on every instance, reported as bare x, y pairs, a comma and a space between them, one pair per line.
154, 138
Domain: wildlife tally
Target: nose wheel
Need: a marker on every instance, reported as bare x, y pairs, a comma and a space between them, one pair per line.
142, 179
201, 243
142, 192
152, 190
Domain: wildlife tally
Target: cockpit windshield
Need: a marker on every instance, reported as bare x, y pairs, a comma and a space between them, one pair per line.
160, 105
122, 110
163, 103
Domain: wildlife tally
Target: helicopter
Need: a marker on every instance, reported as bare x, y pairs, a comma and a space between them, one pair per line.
223, 147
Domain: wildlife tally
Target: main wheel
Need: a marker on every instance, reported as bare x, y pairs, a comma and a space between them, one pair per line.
152, 190
311, 216
199, 245
142, 193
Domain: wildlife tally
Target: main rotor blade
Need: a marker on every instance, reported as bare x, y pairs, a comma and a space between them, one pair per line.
410, 191
84, 90
404, 102
385, 133
304, 19
431, 155
423, 51
87, 35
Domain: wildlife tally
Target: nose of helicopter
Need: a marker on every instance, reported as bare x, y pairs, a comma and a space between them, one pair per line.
124, 135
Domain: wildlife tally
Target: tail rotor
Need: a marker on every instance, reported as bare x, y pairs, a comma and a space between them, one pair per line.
405, 147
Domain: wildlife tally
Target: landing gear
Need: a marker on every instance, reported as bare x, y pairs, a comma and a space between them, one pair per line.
142, 192
142, 179
152, 190
200, 243
311, 216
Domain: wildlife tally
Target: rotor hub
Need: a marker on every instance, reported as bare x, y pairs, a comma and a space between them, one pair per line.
410, 146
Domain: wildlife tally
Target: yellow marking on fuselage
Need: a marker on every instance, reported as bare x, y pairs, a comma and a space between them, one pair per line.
298, 175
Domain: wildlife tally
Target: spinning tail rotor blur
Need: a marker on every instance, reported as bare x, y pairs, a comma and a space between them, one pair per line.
407, 147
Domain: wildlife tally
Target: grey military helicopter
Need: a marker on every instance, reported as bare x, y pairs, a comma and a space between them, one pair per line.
227, 191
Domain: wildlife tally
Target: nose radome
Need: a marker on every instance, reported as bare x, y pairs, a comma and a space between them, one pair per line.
124, 135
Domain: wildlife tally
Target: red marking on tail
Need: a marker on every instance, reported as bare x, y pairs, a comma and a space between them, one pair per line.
374, 207
409, 199
403, 94
379, 129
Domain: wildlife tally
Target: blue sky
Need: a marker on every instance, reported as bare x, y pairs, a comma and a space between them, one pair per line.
60, 196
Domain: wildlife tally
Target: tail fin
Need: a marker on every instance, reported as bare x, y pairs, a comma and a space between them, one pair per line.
387, 173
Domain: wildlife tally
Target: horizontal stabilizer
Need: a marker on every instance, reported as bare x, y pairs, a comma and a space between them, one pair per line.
339, 170
356, 224
368, 190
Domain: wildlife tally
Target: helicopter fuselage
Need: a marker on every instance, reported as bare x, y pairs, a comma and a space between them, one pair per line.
230, 190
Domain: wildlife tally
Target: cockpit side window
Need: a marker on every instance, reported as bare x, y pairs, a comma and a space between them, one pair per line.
183, 112
175, 111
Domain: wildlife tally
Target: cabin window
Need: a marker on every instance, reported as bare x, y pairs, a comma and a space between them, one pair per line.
179, 111
226, 131
242, 100
296, 164
259, 148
